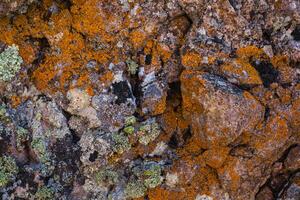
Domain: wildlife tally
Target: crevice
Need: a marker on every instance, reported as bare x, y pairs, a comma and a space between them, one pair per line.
174, 141
267, 113
296, 33
266, 71
43, 48
280, 181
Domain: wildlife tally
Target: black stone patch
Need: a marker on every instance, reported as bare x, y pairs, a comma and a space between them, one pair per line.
233, 4
222, 84
93, 156
148, 59
174, 141
267, 72
122, 91
267, 113
296, 33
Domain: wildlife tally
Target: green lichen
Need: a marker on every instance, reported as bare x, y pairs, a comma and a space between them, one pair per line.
44, 193
10, 63
21, 136
8, 170
132, 66
129, 121
148, 132
135, 189
121, 143
129, 130
4, 117
107, 176
39, 147
152, 175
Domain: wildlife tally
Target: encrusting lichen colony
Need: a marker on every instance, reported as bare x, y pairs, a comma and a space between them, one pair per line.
150, 99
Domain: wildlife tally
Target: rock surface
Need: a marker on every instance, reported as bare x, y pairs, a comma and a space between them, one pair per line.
158, 100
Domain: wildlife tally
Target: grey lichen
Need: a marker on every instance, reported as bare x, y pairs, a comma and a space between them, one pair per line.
106, 176
39, 147
44, 193
22, 135
132, 66
148, 132
8, 170
135, 189
10, 63
153, 175
4, 116
121, 143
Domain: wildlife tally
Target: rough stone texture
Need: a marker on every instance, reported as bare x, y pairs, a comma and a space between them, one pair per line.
10, 6
219, 111
158, 100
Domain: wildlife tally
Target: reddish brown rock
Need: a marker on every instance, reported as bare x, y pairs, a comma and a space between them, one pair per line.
219, 111
292, 161
293, 190
216, 157
265, 194
241, 72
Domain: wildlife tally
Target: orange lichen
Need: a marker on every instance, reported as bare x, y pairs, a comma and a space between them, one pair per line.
27, 53
296, 114
242, 71
191, 59
250, 52
160, 106
231, 173
216, 156
164, 52
190, 80
15, 101
107, 78
137, 38
280, 61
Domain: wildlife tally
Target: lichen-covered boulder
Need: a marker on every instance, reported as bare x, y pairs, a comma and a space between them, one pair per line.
219, 111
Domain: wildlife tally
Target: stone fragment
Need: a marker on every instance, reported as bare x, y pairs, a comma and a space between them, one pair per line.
293, 190
292, 161
219, 111
171, 179
241, 73
265, 194
215, 157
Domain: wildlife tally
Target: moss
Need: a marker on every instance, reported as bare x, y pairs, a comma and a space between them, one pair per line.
148, 132
135, 189
153, 175
121, 143
10, 63
44, 193
132, 66
8, 169
106, 176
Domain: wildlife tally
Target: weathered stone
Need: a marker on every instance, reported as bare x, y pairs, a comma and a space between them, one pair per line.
292, 161
219, 111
